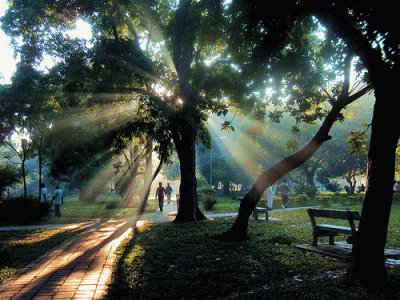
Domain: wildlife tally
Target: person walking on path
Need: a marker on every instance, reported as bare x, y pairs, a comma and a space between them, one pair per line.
284, 190
270, 198
58, 199
44, 203
160, 193
168, 192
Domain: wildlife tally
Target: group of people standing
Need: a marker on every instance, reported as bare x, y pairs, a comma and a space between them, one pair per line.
283, 189
57, 199
161, 192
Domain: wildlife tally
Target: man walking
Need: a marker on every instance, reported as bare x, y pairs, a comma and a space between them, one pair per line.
168, 192
284, 189
58, 199
160, 193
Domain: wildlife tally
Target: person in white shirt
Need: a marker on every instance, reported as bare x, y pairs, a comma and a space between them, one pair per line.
44, 203
270, 198
43, 193
285, 190
58, 199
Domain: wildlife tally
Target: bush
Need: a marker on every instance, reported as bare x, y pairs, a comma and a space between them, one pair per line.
8, 177
310, 191
18, 210
208, 197
333, 186
300, 200
325, 202
112, 205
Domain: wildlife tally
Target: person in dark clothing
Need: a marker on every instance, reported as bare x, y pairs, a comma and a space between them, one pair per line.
160, 193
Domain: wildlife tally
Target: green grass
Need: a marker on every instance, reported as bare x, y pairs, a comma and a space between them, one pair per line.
224, 204
74, 210
19, 248
183, 261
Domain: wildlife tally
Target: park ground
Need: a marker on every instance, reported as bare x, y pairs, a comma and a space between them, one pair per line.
184, 261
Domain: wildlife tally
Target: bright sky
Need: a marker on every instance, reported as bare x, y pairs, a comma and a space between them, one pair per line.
8, 61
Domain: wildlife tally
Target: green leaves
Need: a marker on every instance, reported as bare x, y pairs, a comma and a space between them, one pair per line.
226, 125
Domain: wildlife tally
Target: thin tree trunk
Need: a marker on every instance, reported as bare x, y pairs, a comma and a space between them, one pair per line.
40, 158
143, 203
24, 177
148, 179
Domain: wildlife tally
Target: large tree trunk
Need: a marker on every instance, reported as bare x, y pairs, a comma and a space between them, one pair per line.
183, 126
186, 148
369, 263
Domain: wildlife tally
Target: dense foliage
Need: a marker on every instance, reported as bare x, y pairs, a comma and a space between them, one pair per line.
21, 210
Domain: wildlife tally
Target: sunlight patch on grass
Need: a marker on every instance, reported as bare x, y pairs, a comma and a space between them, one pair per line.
19, 248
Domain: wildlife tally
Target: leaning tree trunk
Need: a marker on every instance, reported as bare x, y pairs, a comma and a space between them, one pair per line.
238, 231
368, 265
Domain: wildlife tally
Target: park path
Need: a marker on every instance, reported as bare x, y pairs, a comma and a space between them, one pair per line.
77, 269
80, 267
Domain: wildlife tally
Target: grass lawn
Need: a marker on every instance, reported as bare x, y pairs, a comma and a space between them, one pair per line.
183, 261
74, 210
224, 204
19, 248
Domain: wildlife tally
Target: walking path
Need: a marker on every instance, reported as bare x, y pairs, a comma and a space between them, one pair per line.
80, 267
77, 269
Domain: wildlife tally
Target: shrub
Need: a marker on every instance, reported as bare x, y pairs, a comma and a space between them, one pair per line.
209, 203
18, 210
325, 202
8, 177
300, 199
333, 186
208, 197
310, 191
112, 205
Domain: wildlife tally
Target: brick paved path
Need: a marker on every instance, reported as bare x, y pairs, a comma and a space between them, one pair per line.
80, 267
77, 269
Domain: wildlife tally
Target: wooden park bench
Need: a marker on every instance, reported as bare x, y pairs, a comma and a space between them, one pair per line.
258, 209
320, 230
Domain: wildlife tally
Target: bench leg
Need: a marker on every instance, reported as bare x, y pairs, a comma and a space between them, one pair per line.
266, 215
314, 240
255, 214
331, 240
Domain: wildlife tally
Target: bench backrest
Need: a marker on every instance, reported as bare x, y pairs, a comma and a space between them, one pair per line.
334, 214
348, 215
